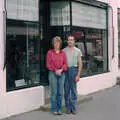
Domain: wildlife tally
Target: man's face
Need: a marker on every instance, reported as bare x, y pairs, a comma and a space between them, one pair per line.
70, 41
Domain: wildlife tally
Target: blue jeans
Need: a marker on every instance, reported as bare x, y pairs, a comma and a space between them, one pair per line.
70, 88
56, 90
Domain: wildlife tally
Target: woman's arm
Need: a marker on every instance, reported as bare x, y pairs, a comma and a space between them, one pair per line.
49, 63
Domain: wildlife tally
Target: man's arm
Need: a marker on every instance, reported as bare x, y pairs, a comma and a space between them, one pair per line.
79, 65
77, 78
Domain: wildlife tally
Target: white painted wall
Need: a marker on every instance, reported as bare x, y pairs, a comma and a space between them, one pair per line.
118, 3
1, 45
96, 83
21, 101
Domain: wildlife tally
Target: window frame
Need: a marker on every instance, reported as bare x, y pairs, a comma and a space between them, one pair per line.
5, 47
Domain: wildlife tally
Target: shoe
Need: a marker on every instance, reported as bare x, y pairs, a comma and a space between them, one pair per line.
55, 113
74, 112
68, 111
59, 112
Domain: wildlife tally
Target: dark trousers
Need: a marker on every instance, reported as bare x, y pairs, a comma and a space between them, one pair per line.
70, 90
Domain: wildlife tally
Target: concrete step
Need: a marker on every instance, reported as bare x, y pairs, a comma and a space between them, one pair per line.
81, 99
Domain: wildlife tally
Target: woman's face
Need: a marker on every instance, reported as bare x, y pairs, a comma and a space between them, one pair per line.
56, 44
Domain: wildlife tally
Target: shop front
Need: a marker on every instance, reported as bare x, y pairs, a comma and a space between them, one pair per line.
26, 37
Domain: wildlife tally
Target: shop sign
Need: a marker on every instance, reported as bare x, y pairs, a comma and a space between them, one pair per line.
78, 35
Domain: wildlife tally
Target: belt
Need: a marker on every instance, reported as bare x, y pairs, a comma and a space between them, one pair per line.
72, 66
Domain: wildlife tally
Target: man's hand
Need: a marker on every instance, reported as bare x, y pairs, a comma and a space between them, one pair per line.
77, 78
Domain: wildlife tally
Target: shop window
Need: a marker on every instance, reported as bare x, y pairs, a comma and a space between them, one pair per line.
22, 51
22, 44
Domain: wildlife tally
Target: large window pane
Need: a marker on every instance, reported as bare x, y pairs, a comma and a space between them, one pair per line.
23, 49
22, 10
93, 44
59, 13
88, 16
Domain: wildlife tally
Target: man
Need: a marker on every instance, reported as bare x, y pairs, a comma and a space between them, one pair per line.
74, 62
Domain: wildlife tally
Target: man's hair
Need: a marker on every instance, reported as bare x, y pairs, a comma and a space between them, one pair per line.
72, 37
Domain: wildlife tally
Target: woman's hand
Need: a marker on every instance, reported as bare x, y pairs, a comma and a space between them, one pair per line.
58, 72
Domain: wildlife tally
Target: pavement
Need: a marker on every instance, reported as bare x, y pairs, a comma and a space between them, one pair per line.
104, 105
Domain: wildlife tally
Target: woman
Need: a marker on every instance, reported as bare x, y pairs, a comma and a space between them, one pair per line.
56, 64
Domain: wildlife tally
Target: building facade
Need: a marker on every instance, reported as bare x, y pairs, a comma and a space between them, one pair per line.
26, 30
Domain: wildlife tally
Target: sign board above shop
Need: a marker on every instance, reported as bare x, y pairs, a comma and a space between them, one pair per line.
27, 10
84, 15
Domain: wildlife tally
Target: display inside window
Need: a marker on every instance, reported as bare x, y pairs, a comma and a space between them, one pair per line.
23, 54
92, 43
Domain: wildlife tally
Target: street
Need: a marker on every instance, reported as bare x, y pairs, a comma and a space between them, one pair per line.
105, 105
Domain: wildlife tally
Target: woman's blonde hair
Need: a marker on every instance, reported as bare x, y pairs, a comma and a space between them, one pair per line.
57, 38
